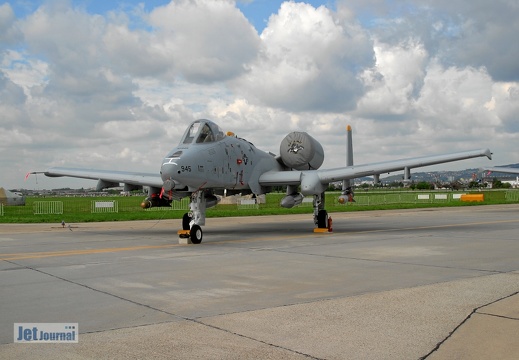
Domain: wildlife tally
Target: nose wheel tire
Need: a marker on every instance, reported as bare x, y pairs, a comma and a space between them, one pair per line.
196, 234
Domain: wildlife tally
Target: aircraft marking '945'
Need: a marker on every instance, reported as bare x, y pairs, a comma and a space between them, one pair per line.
208, 162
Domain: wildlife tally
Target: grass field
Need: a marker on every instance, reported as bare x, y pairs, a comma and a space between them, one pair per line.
82, 209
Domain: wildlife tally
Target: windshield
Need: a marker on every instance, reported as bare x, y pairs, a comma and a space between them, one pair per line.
202, 131
191, 133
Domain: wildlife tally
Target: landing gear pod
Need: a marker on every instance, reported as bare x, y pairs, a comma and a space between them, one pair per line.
300, 151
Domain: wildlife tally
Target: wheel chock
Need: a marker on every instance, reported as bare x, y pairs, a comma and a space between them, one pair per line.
184, 237
184, 233
321, 230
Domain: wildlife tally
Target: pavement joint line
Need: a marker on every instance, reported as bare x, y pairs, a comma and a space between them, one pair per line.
257, 340
389, 261
474, 311
97, 290
179, 317
495, 315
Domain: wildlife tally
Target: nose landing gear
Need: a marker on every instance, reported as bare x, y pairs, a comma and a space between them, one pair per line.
191, 230
192, 233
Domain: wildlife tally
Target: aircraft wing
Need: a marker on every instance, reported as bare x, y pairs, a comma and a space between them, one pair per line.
507, 170
108, 178
326, 176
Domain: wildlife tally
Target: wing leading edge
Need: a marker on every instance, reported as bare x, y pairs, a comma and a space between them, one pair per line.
506, 170
325, 176
108, 177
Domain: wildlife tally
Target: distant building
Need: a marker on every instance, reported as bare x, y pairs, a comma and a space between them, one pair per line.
513, 182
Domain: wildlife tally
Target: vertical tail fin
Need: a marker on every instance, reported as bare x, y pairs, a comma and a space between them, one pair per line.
347, 191
349, 157
349, 147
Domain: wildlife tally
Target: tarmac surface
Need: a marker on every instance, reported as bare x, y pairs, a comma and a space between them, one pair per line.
437, 283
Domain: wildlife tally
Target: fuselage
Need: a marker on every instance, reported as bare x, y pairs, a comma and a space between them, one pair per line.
208, 158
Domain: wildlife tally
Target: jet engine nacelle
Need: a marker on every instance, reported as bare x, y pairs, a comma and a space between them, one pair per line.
300, 151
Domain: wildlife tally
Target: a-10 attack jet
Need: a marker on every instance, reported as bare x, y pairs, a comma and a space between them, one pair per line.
208, 162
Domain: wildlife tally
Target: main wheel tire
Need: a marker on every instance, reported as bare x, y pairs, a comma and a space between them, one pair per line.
186, 219
196, 234
322, 219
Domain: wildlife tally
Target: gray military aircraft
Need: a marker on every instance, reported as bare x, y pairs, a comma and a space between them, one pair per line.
208, 162
11, 198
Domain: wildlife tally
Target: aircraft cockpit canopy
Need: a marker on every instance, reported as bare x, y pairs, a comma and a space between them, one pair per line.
202, 131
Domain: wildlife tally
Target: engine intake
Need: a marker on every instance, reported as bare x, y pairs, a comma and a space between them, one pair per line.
300, 151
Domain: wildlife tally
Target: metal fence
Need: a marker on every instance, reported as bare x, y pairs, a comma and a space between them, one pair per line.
512, 195
176, 205
248, 204
47, 207
403, 198
110, 206
85, 205
308, 201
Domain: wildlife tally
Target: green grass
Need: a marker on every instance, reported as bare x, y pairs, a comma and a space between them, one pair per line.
78, 209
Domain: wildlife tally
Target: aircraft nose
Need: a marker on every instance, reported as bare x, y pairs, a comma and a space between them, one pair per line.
168, 170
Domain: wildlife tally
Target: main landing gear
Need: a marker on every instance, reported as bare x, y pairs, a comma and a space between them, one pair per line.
320, 214
195, 218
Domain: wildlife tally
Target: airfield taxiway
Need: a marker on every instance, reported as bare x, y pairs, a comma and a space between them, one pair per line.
407, 284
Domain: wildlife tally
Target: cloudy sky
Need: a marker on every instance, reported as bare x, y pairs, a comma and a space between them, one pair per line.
113, 84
